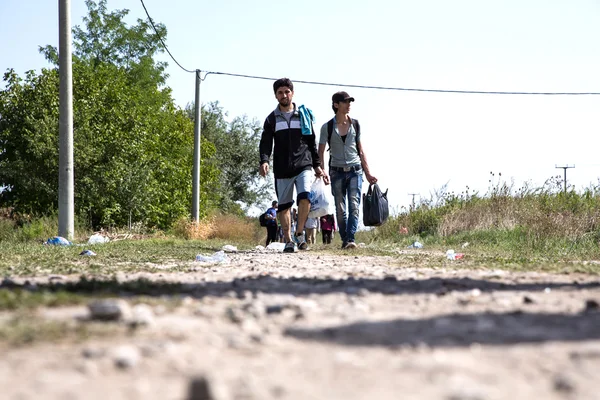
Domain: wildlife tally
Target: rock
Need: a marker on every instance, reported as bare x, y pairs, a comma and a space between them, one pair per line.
528, 300
563, 385
199, 389
126, 357
142, 315
591, 305
91, 352
109, 310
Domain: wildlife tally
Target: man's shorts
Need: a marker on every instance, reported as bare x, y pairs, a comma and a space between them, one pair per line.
285, 188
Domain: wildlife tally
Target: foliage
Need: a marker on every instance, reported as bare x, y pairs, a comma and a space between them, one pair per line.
132, 145
236, 159
521, 222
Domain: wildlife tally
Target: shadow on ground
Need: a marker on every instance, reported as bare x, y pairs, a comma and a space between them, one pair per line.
461, 330
296, 286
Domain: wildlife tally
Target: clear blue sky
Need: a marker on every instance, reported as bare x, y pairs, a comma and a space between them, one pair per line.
415, 142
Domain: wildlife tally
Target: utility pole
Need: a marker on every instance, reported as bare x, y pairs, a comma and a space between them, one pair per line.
413, 199
196, 169
565, 169
66, 225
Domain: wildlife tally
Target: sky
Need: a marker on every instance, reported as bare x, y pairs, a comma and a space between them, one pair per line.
417, 143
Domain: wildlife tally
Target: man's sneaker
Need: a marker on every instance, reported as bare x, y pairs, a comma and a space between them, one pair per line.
290, 247
350, 245
301, 240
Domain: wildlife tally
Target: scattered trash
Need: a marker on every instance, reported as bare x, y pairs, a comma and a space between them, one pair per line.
97, 238
465, 244
259, 247
451, 255
87, 253
416, 245
219, 257
230, 249
58, 241
547, 290
276, 246
403, 230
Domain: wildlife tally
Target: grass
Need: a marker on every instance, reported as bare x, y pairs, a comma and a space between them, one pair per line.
25, 329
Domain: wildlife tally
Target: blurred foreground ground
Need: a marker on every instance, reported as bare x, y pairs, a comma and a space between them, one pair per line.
312, 326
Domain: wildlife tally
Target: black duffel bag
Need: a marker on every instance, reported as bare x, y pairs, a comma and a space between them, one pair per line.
375, 206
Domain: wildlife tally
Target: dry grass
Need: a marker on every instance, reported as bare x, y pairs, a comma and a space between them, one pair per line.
219, 226
518, 212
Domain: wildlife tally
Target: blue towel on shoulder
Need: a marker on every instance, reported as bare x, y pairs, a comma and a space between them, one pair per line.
306, 119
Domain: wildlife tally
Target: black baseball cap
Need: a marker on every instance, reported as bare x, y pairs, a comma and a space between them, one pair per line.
341, 96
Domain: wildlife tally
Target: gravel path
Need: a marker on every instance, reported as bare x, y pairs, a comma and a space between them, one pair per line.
314, 326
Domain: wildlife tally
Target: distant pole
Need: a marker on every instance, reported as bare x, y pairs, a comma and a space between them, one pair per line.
413, 199
565, 170
196, 172
66, 226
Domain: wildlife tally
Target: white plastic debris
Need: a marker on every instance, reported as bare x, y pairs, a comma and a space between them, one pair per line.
276, 246
97, 238
217, 258
230, 249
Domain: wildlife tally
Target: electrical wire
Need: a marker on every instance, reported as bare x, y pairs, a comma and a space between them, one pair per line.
159, 38
411, 89
362, 86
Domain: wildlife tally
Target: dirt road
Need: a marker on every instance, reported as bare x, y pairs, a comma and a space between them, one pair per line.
315, 326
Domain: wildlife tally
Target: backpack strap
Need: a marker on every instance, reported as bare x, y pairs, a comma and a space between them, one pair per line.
357, 129
355, 124
329, 132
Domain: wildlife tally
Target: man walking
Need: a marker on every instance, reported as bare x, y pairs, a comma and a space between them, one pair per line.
271, 217
347, 161
294, 156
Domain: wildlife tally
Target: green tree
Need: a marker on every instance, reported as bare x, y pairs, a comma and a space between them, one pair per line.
236, 158
132, 145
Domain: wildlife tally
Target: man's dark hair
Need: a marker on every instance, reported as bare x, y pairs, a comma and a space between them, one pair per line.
282, 82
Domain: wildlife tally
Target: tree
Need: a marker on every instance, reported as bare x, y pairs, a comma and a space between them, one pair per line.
236, 158
132, 145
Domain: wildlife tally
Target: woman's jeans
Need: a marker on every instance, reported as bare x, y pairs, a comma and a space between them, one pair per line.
346, 185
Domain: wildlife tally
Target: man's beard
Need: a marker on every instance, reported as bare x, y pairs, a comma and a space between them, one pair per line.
284, 102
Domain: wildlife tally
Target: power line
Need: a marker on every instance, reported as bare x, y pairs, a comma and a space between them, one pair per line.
363, 86
408, 89
159, 38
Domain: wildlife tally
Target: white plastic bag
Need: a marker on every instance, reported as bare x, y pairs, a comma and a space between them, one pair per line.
319, 203
97, 238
